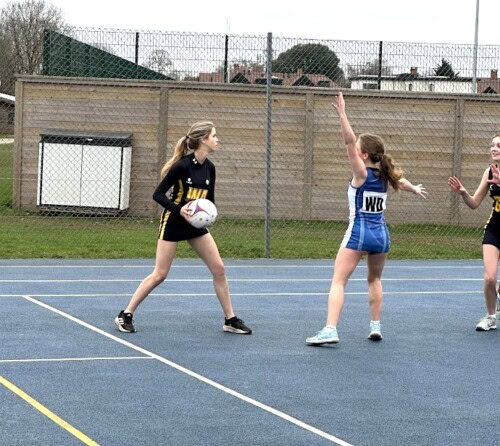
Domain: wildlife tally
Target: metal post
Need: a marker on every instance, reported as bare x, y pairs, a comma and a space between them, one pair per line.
226, 45
474, 60
269, 106
458, 143
137, 48
379, 81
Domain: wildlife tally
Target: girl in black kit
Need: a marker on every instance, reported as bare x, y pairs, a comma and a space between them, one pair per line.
491, 238
190, 175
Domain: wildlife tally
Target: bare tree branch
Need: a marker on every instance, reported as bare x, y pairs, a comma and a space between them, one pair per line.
22, 25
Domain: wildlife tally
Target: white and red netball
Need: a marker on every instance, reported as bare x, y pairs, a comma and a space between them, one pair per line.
203, 213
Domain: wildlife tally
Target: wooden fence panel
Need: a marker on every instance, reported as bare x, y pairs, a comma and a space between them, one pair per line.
429, 136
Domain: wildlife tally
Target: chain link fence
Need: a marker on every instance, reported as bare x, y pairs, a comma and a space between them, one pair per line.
83, 139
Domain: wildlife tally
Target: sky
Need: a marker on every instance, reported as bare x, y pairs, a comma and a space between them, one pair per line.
433, 21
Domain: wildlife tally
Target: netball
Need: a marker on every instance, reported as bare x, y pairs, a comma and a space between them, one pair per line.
203, 213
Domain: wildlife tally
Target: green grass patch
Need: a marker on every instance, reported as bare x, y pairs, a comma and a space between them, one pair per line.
6, 166
64, 237
24, 235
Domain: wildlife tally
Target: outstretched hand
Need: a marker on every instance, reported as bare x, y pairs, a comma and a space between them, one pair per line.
339, 103
495, 171
420, 190
456, 185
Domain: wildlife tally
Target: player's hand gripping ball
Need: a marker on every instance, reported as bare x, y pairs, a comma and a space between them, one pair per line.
203, 213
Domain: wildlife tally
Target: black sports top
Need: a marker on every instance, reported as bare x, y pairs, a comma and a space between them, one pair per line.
190, 180
494, 218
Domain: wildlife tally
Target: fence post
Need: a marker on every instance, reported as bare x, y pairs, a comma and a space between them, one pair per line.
226, 50
308, 156
162, 134
137, 48
379, 80
457, 158
474, 59
18, 145
269, 107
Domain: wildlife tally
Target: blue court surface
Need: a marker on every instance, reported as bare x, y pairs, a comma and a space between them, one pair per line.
68, 376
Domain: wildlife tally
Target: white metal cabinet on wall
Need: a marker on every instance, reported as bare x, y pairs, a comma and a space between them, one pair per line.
87, 170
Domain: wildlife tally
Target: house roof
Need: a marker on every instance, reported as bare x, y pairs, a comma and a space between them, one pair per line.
410, 77
7, 98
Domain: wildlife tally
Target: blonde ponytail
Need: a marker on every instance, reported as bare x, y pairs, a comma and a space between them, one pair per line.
180, 150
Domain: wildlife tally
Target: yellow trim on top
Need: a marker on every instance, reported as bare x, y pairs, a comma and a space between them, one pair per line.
180, 193
165, 215
489, 218
59, 421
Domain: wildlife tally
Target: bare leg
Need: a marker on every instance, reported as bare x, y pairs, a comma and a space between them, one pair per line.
345, 263
375, 267
490, 262
207, 250
165, 253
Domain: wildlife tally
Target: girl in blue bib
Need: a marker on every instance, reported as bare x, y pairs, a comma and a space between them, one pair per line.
373, 171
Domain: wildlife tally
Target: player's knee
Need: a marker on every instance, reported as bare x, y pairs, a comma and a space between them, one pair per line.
219, 271
158, 277
372, 278
490, 281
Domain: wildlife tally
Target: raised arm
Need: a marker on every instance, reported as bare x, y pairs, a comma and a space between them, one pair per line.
357, 164
417, 189
473, 201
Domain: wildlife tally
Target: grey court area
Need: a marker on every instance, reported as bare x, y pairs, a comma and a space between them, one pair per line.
181, 380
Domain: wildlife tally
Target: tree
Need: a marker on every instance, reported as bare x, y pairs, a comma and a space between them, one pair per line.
445, 69
312, 58
21, 29
7, 70
369, 68
159, 60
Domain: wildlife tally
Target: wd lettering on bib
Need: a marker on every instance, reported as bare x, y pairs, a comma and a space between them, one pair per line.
374, 202
194, 193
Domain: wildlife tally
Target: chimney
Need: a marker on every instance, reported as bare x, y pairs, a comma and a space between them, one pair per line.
300, 71
494, 74
413, 71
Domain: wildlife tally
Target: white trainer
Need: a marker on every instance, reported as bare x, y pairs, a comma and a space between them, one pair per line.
324, 336
375, 331
487, 323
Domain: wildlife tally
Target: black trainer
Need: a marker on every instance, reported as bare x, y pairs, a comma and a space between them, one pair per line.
235, 325
124, 322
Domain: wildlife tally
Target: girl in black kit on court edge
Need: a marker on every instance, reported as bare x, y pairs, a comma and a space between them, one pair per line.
190, 175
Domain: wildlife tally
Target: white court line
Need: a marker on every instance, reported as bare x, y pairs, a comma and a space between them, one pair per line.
352, 293
285, 279
329, 266
195, 375
112, 358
